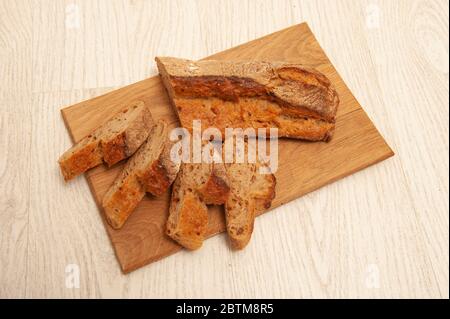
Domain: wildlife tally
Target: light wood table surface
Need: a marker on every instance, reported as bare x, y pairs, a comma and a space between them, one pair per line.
382, 232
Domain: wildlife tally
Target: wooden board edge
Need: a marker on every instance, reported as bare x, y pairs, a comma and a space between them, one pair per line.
98, 97
299, 25
66, 124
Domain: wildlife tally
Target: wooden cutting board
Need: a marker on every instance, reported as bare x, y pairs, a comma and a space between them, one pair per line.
303, 167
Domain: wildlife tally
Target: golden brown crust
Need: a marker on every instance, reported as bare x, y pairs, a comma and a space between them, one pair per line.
115, 140
114, 150
122, 202
81, 160
155, 180
148, 170
189, 226
215, 190
299, 93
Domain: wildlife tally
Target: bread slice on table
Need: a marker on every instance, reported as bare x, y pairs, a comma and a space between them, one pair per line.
300, 101
112, 142
150, 169
197, 185
250, 192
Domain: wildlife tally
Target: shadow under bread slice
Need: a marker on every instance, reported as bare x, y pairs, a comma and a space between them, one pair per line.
150, 169
115, 140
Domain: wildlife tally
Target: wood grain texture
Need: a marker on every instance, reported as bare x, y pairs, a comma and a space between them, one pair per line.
302, 166
388, 222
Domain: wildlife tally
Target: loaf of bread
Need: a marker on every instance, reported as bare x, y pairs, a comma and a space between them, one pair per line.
150, 169
299, 101
112, 142
197, 185
250, 192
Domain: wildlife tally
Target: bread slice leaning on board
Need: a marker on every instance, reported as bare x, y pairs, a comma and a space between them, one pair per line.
197, 185
112, 142
150, 169
300, 101
252, 189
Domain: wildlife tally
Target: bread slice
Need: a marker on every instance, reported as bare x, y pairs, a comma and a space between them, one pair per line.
150, 169
250, 192
197, 185
112, 142
300, 101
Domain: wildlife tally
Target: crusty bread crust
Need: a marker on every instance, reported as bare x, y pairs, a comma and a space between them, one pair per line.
196, 185
115, 140
299, 101
148, 170
157, 177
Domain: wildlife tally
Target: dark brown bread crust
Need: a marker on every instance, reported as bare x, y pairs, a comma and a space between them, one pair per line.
234, 88
226, 88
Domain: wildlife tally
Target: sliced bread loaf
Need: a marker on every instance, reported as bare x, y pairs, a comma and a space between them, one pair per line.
250, 192
112, 142
196, 186
300, 101
150, 169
